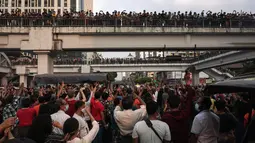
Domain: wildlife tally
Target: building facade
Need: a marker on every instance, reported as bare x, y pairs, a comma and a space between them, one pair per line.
50, 5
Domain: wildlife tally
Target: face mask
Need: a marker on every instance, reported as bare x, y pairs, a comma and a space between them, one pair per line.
197, 107
67, 107
83, 110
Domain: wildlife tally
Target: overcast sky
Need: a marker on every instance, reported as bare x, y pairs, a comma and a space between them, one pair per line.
171, 5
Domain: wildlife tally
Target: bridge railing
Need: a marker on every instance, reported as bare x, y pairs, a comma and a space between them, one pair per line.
97, 62
125, 22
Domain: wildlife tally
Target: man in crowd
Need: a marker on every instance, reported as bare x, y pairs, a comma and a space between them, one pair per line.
206, 125
127, 118
177, 118
97, 111
60, 116
151, 130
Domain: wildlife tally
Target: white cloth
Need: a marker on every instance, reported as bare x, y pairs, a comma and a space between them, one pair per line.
127, 119
89, 137
155, 96
60, 117
206, 125
147, 135
83, 126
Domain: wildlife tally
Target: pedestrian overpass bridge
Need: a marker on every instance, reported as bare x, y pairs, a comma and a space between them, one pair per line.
124, 38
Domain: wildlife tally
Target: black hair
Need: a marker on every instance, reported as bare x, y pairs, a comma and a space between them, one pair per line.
70, 126
9, 99
40, 128
174, 101
47, 97
151, 107
41, 99
97, 95
105, 96
220, 105
78, 104
127, 103
25, 102
116, 101
206, 103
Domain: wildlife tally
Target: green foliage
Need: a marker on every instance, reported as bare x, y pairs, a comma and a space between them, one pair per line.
143, 80
112, 76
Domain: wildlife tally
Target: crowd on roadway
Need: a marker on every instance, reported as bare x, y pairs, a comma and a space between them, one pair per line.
98, 113
124, 18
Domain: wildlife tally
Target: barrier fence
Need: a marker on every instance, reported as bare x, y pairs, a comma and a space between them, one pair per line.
124, 22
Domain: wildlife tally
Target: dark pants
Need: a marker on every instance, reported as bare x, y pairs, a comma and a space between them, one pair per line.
126, 139
99, 137
22, 131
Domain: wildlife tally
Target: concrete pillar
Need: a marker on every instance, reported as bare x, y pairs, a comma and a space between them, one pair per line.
45, 63
85, 69
23, 79
195, 77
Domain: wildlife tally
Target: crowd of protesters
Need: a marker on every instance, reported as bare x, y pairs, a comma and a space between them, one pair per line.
80, 61
99, 113
152, 60
118, 18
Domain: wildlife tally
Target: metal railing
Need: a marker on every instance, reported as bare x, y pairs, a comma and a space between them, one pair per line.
125, 22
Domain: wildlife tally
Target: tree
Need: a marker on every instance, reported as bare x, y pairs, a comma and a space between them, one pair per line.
143, 80
112, 76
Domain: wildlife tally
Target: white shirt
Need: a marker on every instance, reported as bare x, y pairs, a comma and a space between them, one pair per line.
87, 104
83, 126
89, 137
206, 125
60, 117
147, 135
127, 119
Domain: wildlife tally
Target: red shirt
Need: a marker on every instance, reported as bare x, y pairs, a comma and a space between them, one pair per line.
71, 109
96, 108
178, 122
26, 116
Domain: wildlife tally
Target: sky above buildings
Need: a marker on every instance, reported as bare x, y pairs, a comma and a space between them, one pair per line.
171, 5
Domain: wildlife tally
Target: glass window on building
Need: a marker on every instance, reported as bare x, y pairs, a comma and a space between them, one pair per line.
26, 10
39, 11
65, 4
26, 3
59, 3
39, 3
13, 3
45, 3
6, 3
19, 3
32, 3
52, 3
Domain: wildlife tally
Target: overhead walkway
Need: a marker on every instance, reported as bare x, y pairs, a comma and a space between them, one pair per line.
224, 59
216, 74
